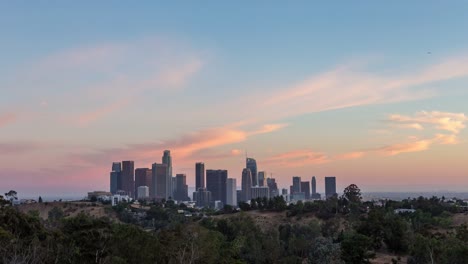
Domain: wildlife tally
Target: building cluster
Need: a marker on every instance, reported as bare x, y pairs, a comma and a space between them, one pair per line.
213, 188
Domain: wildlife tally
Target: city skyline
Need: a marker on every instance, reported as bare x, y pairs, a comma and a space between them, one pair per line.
311, 89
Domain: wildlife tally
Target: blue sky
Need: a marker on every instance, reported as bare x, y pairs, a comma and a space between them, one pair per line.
308, 88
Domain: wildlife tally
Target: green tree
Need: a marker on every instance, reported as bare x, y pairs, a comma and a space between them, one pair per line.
355, 248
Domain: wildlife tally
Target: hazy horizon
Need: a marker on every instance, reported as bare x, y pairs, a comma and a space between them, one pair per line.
372, 93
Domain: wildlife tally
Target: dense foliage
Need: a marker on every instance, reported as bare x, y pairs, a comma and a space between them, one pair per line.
338, 230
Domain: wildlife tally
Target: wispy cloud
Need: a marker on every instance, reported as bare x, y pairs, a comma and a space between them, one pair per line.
452, 122
7, 118
89, 117
296, 158
348, 85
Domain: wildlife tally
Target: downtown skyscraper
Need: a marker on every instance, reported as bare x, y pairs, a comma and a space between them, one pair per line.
128, 178
246, 185
143, 177
216, 183
251, 164
199, 175
162, 187
330, 186
116, 177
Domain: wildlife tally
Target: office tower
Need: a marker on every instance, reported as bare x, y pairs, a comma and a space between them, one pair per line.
314, 195
199, 175
259, 192
167, 159
160, 179
116, 177
314, 186
173, 186
246, 184
305, 188
296, 187
252, 165
117, 166
330, 187
273, 186
261, 178
216, 184
143, 177
128, 178
202, 197
181, 190
231, 192
143, 192
284, 191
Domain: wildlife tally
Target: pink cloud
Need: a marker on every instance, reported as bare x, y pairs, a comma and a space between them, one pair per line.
89, 117
349, 156
414, 146
7, 118
296, 158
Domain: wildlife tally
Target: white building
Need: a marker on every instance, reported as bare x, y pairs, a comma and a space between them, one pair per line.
231, 192
260, 192
143, 192
117, 198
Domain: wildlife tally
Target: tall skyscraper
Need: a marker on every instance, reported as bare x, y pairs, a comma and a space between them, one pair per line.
231, 192
181, 190
246, 184
330, 187
216, 184
273, 186
128, 178
116, 166
160, 180
296, 187
305, 188
314, 194
314, 186
252, 165
167, 159
116, 177
199, 175
143, 177
261, 178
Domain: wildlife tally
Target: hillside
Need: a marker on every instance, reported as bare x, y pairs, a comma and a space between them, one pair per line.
70, 209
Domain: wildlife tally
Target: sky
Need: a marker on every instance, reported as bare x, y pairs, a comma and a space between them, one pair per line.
371, 92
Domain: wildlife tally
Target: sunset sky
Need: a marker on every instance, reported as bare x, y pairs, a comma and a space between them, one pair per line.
372, 92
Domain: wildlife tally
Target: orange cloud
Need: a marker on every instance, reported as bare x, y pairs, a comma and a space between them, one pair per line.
268, 129
296, 158
7, 118
349, 156
415, 146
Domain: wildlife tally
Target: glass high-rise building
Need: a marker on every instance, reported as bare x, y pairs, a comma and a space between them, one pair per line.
314, 185
216, 183
167, 159
199, 175
116, 177
161, 181
246, 184
128, 177
181, 189
330, 186
252, 165
231, 192
143, 177
261, 178
305, 188
296, 187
